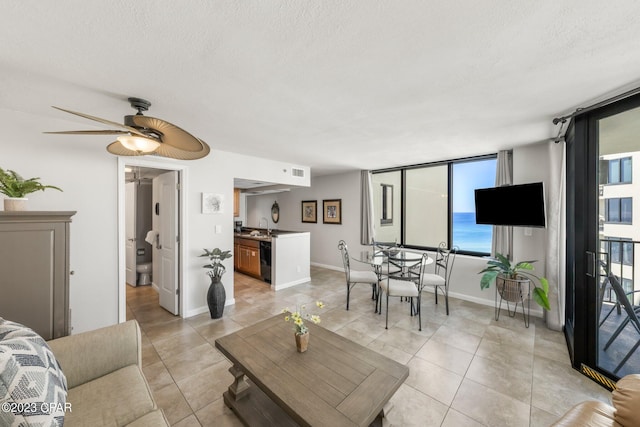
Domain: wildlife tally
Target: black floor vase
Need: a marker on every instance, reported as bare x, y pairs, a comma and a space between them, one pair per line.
216, 297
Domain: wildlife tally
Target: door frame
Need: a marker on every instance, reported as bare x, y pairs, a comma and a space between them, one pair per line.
182, 228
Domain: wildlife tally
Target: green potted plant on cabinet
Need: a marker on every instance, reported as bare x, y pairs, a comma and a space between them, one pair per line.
510, 276
216, 295
16, 188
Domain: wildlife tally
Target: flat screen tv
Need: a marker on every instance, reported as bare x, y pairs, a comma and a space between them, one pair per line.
517, 205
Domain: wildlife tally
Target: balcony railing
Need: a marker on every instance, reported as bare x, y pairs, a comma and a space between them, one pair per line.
618, 335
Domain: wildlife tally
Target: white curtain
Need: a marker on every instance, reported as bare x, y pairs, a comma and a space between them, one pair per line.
502, 239
367, 227
556, 235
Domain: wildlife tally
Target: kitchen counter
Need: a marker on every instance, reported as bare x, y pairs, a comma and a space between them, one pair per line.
290, 256
264, 235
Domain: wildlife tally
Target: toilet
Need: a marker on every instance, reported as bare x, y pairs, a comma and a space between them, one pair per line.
144, 273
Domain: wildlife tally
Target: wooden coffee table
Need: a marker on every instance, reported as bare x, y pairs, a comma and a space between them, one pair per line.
336, 382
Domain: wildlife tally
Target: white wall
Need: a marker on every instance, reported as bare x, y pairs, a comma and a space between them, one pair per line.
324, 237
531, 164
89, 177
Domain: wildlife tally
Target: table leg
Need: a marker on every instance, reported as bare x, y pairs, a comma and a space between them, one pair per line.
239, 388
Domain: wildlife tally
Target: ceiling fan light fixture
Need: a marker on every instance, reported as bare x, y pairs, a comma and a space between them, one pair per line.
139, 144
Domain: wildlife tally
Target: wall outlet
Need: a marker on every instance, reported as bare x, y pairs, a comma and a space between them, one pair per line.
528, 231
298, 269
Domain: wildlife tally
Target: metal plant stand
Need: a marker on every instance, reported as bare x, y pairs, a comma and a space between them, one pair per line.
513, 291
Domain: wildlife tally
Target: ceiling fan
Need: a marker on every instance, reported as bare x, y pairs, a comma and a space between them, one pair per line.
141, 135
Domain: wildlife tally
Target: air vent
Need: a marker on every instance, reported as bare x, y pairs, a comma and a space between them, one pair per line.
297, 172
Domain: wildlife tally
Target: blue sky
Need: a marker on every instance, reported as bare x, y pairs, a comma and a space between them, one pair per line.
467, 177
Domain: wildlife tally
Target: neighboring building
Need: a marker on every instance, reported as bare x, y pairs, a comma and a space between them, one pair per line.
620, 218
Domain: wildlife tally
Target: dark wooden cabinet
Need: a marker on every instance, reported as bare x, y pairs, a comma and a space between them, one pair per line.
247, 254
34, 270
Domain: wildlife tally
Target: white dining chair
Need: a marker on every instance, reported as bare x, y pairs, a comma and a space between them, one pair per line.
404, 279
355, 277
439, 279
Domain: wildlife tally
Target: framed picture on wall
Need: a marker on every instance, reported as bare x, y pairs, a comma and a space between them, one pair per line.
309, 211
212, 203
332, 211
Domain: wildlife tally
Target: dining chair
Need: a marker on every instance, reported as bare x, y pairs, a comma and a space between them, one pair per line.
404, 279
440, 278
632, 317
383, 249
355, 277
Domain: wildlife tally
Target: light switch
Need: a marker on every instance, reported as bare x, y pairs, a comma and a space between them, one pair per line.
218, 229
528, 231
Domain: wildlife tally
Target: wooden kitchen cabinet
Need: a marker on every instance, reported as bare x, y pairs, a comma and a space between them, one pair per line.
34, 266
247, 253
236, 202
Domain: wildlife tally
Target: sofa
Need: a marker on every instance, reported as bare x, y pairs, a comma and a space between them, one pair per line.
101, 381
623, 412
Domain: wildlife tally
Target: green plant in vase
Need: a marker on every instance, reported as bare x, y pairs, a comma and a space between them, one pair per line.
500, 266
15, 187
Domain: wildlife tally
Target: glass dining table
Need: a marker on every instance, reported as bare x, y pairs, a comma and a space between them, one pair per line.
378, 258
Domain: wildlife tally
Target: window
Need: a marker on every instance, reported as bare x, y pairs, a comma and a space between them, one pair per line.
427, 206
620, 250
467, 177
386, 205
619, 210
435, 203
620, 171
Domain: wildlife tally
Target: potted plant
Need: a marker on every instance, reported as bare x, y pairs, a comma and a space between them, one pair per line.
507, 276
216, 295
16, 188
301, 331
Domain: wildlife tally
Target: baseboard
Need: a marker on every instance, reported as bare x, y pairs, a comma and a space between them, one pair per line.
328, 267
290, 284
205, 309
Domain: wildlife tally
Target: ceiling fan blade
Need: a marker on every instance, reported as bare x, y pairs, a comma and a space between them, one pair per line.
171, 134
172, 152
91, 132
104, 121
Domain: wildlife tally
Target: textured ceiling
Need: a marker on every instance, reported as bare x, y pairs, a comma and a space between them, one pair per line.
335, 85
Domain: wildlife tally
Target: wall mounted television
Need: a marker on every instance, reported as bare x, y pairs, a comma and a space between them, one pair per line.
515, 205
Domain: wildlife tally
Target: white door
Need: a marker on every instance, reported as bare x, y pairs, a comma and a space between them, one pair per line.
165, 252
130, 231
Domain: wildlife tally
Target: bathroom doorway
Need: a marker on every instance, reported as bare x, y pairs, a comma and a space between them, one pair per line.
150, 212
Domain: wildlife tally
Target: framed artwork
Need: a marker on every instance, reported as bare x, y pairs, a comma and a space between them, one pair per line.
332, 211
309, 211
212, 203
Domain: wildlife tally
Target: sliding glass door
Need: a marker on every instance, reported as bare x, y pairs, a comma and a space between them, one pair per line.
603, 245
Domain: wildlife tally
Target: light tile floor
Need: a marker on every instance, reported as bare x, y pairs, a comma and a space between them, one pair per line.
465, 369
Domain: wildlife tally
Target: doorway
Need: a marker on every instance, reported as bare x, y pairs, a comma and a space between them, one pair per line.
160, 241
603, 241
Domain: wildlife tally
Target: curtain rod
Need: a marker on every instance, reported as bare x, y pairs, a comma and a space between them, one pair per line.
597, 105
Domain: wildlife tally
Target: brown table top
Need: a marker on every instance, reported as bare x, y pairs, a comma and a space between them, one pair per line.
335, 382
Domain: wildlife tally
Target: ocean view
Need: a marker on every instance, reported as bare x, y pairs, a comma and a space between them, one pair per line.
468, 235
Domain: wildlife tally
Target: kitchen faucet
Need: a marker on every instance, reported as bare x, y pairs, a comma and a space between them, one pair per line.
267, 221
